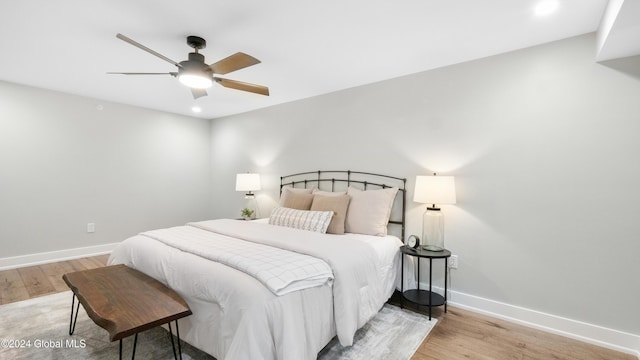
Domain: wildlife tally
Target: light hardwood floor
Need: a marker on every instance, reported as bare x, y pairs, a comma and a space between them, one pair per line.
33, 281
462, 334
459, 334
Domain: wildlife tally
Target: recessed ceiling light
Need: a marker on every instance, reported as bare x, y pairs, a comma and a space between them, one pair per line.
546, 7
196, 109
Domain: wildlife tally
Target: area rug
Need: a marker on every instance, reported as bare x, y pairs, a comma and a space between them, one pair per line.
37, 329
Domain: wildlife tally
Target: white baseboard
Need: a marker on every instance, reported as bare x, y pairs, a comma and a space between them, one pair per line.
54, 256
609, 338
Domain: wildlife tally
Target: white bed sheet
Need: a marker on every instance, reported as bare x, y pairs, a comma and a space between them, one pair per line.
236, 317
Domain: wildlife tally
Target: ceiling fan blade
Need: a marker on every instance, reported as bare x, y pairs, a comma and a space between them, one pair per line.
198, 93
239, 85
141, 73
140, 46
234, 62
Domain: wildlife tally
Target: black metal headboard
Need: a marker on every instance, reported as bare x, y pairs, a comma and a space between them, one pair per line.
331, 179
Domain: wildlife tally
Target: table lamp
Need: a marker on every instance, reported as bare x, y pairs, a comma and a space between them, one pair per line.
434, 190
248, 182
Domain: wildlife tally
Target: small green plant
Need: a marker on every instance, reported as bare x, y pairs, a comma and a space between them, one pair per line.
246, 213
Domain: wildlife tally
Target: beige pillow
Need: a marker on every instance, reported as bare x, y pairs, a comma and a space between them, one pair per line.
369, 211
289, 190
337, 204
328, 193
298, 201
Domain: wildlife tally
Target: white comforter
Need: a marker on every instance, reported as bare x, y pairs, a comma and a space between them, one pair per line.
236, 317
279, 270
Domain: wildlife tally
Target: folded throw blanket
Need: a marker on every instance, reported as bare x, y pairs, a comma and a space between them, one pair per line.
281, 271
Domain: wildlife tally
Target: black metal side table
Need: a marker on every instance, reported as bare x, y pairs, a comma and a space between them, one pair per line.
419, 296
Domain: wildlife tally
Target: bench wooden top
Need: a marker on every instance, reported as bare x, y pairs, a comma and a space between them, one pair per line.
125, 301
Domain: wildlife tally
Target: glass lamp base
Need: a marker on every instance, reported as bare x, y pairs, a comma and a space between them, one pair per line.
433, 229
432, 248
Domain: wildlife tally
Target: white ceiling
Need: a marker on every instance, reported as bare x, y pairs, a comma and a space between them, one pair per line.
307, 48
619, 31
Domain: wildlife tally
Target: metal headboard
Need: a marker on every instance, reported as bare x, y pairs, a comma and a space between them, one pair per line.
327, 180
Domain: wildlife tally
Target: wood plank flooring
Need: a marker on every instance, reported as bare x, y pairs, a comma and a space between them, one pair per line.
466, 335
39, 280
458, 335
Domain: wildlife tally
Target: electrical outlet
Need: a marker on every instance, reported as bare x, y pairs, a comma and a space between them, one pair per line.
453, 262
91, 227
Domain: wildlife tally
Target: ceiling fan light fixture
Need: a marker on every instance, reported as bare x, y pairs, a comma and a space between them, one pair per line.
197, 75
193, 74
195, 81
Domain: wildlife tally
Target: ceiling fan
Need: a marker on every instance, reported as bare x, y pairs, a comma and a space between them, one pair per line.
199, 76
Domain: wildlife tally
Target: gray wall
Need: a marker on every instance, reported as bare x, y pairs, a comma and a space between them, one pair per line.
544, 146
65, 163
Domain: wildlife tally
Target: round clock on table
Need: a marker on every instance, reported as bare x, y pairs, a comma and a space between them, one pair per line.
413, 242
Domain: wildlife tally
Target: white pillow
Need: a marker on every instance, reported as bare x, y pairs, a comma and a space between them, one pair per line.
369, 211
288, 189
317, 221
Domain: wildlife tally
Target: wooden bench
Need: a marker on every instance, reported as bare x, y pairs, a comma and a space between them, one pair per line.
125, 302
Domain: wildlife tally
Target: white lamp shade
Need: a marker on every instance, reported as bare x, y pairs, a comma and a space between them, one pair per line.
435, 190
248, 182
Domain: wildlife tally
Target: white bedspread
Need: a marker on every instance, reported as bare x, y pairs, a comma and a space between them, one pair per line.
279, 270
236, 317
357, 293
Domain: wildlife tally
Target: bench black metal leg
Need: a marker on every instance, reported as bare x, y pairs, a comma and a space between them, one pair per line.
72, 320
178, 333
135, 343
173, 346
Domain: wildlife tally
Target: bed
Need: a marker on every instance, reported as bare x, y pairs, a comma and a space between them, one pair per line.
282, 288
